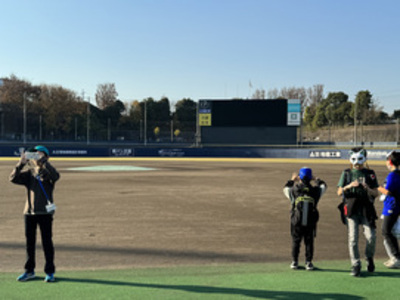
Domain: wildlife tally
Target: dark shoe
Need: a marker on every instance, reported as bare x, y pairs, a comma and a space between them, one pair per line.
370, 264
309, 266
355, 271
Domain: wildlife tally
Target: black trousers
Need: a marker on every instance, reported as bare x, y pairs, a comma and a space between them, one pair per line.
45, 223
390, 239
302, 232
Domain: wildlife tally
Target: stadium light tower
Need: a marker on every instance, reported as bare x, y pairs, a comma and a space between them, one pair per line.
24, 117
1, 111
355, 122
145, 122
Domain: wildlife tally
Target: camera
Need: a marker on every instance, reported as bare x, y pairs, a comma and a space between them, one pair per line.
50, 207
32, 155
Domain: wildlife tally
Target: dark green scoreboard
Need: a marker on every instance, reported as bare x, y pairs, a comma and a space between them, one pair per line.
249, 121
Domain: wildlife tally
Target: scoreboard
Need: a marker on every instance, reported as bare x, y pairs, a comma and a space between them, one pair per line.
249, 113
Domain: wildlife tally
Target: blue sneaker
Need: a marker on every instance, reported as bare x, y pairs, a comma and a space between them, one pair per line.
49, 278
26, 276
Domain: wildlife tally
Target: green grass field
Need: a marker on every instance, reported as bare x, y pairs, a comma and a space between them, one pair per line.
255, 281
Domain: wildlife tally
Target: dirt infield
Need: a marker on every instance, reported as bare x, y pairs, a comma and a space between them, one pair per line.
184, 212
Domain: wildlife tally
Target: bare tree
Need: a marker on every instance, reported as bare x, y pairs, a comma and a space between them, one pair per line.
315, 94
106, 95
293, 93
273, 94
259, 94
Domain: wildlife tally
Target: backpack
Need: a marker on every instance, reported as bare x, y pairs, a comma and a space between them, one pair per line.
304, 211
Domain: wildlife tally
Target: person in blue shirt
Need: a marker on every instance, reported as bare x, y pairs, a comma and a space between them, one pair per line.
391, 209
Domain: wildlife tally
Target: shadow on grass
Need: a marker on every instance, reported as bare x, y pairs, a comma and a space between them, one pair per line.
166, 253
261, 294
365, 274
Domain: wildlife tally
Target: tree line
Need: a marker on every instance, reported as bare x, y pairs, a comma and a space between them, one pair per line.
51, 112
56, 113
333, 110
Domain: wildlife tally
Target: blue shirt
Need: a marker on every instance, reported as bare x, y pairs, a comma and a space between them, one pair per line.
393, 186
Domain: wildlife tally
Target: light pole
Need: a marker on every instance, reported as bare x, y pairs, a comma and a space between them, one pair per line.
88, 123
109, 129
172, 130
197, 137
145, 122
1, 111
40, 127
76, 129
24, 119
355, 122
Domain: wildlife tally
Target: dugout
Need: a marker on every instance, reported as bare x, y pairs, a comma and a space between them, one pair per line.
248, 122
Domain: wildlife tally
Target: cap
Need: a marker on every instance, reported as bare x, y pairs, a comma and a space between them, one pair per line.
42, 149
305, 174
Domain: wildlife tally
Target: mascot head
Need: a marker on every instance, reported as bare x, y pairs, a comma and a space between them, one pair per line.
358, 156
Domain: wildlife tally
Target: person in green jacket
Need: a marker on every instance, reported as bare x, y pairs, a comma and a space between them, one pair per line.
358, 187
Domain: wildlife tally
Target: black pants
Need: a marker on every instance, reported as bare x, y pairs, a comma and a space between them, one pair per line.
302, 232
389, 238
45, 223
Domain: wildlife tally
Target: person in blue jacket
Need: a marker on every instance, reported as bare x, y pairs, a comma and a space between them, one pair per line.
391, 209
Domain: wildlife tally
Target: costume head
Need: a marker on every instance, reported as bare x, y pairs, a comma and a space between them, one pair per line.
305, 174
43, 149
358, 156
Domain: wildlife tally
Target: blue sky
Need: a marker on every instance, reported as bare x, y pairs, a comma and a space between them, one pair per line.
204, 49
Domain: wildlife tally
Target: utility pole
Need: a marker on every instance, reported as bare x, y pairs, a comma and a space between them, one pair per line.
109, 129
24, 117
145, 122
76, 129
40, 127
198, 129
87, 119
355, 122
172, 130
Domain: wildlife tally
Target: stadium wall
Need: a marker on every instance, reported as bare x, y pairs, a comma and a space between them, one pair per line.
239, 152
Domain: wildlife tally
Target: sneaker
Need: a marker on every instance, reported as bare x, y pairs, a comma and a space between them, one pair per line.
370, 264
355, 271
294, 265
389, 262
394, 264
309, 266
49, 278
26, 276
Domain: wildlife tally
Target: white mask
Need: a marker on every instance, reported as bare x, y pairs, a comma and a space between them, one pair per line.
358, 158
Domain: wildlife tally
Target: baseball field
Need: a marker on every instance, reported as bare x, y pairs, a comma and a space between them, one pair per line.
184, 229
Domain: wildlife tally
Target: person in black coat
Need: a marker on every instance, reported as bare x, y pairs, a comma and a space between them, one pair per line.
304, 195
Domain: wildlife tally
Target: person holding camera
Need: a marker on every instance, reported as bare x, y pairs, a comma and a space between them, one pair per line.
304, 192
39, 177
